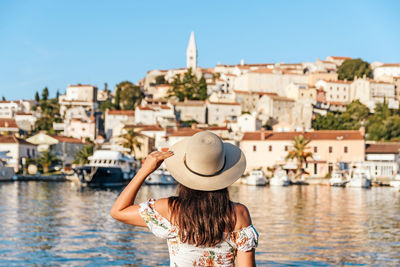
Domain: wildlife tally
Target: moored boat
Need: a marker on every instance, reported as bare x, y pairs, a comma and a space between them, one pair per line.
106, 168
280, 178
338, 179
359, 177
160, 177
6, 173
256, 177
396, 181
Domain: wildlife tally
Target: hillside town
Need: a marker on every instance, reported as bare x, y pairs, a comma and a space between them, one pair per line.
265, 108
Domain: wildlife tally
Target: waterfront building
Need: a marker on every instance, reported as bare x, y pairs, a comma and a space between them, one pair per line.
8, 109
266, 149
80, 95
314, 77
190, 110
81, 129
18, 149
383, 159
181, 133
117, 118
246, 123
335, 91
154, 131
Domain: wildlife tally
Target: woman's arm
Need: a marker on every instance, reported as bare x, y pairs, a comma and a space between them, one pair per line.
246, 259
123, 209
243, 219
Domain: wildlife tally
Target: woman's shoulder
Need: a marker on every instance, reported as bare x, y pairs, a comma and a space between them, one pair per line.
162, 207
243, 218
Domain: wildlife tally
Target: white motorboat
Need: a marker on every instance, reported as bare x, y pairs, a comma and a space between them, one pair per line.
359, 177
256, 177
338, 179
6, 173
160, 177
396, 181
105, 168
280, 178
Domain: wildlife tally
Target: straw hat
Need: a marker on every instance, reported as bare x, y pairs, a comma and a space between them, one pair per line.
203, 162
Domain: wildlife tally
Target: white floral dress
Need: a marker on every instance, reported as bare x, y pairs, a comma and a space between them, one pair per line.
182, 254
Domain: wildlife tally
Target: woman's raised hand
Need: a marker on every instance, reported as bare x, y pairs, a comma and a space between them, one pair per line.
154, 160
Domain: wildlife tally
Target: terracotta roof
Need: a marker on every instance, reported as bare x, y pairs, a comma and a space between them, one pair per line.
8, 123
338, 81
230, 74
66, 139
144, 127
383, 148
145, 108
185, 131
225, 103
8, 101
315, 135
165, 107
190, 103
215, 128
253, 92
23, 113
389, 65
121, 112
81, 85
339, 58
264, 70
11, 139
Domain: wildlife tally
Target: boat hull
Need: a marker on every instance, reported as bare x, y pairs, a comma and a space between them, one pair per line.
101, 176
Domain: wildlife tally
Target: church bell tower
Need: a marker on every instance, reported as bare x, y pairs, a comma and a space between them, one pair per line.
191, 53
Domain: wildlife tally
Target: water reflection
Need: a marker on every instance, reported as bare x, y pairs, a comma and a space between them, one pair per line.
57, 223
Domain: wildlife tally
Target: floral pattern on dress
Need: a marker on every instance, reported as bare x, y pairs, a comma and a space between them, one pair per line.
182, 254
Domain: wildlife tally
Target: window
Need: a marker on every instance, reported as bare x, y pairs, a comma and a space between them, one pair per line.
330, 149
346, 149
315, 149
269, 148
315, 168
337, 89
254, 148
286, 148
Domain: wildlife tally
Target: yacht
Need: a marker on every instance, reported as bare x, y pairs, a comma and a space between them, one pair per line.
338, 179
280, 178
6, 173
160, 177
359, 177
256, 177
106, 168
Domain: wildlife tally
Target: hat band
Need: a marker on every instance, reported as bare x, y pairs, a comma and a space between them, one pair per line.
204, 175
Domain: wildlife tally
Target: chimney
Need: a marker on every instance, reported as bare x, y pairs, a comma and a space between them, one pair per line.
362, 131
242, 62
262, 134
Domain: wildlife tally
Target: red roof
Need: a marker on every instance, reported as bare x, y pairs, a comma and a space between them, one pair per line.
390, 65
315, 135
383, 148
225, 103
8, 123
121, 112
66, 139
23, 114
190, 103
340, 58
149, 127
264, 70
254, 93
145, 108
11, 139
186, 131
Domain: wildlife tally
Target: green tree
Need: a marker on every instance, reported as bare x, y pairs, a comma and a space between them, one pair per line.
131, 95
57, 94
188, 87
82, 156
46, 160
160, 79
130, 140
351, 68
299, 153
37, 97
3, 98
45, 93
104, 105
117, 98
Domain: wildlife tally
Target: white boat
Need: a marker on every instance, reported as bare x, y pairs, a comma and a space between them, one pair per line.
160, 177
105, 168
359, 177
255, 178
396, 181
280, 178
6, 173
338, 179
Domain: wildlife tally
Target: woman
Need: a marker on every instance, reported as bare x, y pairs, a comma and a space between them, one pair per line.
202, 226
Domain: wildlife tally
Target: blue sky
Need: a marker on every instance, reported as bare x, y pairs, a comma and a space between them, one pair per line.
56, 43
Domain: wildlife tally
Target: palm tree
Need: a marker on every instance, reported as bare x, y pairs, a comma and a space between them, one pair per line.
47, 159
299, 153
82, 156
130, 141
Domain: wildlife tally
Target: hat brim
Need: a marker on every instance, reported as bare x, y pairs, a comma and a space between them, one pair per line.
235, 165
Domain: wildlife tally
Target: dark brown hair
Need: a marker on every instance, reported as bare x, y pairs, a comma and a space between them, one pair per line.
203, 217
